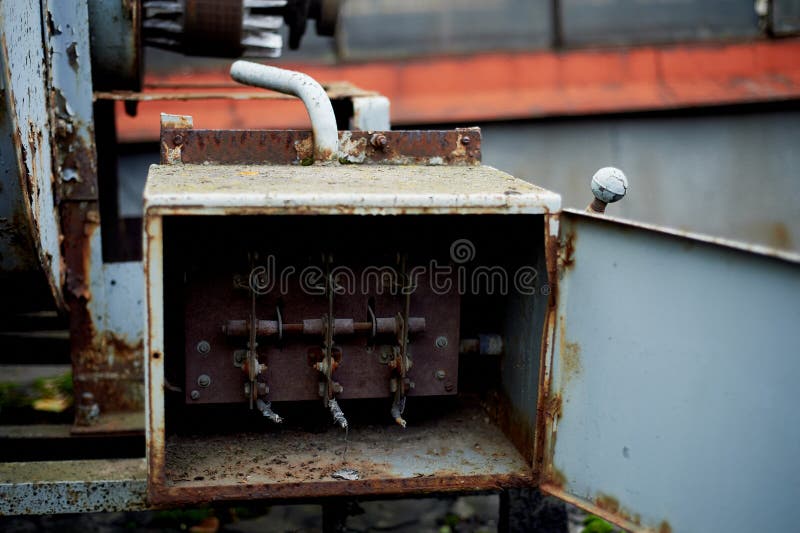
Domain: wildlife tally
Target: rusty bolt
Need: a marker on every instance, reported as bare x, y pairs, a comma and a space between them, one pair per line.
204, 380
440, 374
441, 342
379, 141
448, 387
203, 347
195, 395
465, 140
177, 140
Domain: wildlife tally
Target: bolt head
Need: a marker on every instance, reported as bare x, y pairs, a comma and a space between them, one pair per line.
379, 141
441, 342
440, 374
195, 395
465, 140
178, 140
204, 380
203, 347
609, 184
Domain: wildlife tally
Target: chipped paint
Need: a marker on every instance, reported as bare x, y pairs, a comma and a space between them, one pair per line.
29, 236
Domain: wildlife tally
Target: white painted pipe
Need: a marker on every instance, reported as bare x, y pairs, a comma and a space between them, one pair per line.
318, 105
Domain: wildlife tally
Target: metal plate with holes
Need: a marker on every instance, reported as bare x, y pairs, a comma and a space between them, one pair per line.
674, 380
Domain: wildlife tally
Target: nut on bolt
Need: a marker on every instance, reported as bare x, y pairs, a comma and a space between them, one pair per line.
465, 140
195, 395
440, 374
177, 140
203, 347
379, 141
204, 380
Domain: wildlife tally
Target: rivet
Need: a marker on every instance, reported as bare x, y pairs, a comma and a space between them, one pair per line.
195, 395
465, 140
440, 342
204, 380
177, 140
203, 347
440, 374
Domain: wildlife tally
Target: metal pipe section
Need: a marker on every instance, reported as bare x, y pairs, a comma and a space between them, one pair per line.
318, 105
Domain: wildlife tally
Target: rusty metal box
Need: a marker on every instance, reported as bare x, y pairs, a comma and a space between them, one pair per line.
476, 239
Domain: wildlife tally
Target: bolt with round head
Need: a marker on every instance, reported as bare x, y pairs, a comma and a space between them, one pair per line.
609, 185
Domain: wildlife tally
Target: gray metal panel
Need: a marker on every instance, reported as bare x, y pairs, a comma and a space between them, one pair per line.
686, 171
785, 17
676, 369
388, 28
587, 22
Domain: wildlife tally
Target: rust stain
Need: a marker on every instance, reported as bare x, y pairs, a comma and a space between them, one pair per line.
569, 353
566, 253
555, 477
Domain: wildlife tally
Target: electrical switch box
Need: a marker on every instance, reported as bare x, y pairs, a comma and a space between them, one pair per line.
343, 328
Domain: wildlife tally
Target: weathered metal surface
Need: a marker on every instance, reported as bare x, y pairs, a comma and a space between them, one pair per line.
492, 87
370, 113
452, 147
341, 189
117, 51
29, 236
212, 299
53, 487
106, 345
672, 379
456, 451
626, 22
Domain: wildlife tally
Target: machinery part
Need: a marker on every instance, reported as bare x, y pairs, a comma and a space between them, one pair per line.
233, 28
115, 28
222, 28
315, 326
318, 105
609, 185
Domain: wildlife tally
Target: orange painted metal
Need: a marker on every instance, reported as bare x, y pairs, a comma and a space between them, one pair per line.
504, 86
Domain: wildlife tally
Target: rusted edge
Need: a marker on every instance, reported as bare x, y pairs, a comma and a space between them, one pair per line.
546, 408
173, 128
160, 494
608, 508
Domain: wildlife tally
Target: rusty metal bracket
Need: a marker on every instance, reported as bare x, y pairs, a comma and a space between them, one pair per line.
460, 147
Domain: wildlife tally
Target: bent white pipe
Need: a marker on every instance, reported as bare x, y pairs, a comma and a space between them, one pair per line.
318, 105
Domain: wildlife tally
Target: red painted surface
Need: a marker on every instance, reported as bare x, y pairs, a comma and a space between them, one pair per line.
466, 90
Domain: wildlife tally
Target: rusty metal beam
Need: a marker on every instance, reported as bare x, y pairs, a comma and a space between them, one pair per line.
508, 86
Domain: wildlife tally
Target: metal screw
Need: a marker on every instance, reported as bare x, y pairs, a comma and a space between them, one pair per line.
195, 395
203, 347
465, 140
177, 140
440, 342
379, 141
440, 374
204, 380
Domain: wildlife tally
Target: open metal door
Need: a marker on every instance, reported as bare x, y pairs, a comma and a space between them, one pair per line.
674, 380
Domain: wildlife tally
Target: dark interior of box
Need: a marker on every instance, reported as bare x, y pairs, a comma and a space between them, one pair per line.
475, 418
